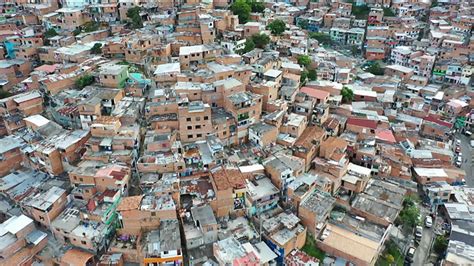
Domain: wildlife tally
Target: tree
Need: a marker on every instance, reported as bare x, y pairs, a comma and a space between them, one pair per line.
440, 245
249, 46
304, 76
312, 75
91, 26
5, 94
322, 38
354, 50
390, 259
303, 23
50, 33
261, 40
409, 215
256, 7
76, 32
134, 15
242, 9
388, 12
304, 60
347, 94
84, 81
360, 12
376, 69
277, 27
96, 49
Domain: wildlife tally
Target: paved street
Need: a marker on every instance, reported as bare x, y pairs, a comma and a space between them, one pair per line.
467, 156
423, 248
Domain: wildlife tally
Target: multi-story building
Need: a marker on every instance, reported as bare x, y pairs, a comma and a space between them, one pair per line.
194, 121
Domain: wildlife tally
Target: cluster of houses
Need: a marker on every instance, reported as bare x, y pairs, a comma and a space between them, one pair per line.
172, 142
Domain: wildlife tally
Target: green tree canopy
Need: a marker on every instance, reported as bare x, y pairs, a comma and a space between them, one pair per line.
96, 49
347, 94
376, 69
303, 23
312, 75
5, 94
277, 27
91, 26
84, 81
304, 60
440, 245
410, 214
360, 12
256, 6
322, 38
134, 15
50, 33
388, 12
261, 40
249, 46
304, 76
242, 9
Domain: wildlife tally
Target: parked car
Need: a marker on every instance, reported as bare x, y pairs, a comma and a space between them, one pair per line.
468, 133
410, 254
428, 221
418, 233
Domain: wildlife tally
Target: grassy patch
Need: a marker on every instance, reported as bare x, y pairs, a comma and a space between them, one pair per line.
311, 249
396, 256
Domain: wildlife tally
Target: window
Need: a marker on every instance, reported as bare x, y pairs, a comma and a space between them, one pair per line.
190, 136
199, 135
198, 118
206, 118
153, 213
198, 127
81, 179
188, 119
83, 242
190, 127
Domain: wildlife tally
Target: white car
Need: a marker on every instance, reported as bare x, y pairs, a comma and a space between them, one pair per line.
428, 222
418, 232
